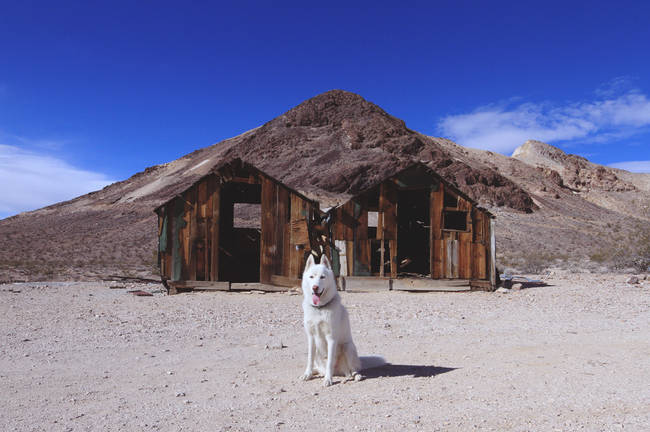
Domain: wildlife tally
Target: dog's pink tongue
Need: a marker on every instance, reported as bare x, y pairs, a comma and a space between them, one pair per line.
315, 299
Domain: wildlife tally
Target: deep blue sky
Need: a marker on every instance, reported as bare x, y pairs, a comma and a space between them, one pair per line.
106, 89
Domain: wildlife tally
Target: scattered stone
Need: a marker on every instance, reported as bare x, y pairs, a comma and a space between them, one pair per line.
502, 290
180, 394
187, 401
516, 286
632, 280
275, 345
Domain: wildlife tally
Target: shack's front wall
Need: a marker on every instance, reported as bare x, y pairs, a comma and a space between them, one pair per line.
457, 249
199, 240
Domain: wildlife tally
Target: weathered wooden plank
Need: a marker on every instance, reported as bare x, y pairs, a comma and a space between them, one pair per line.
451, 259
300, 232
435, 231
162, 226
480, 285
362, 257
480, 261
407, 284
345, 222
285, 281
388, 205
214, 230
493, 253
361, 228
254, 286
177, 223
349, 247
281, 218
268, 244
392, 244
298, 211
193, 225
203, 203
285, 226
477, 226
186, 231
465, 255
438, 263
201, 285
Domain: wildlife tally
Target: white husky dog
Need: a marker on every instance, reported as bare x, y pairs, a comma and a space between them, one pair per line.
329, 339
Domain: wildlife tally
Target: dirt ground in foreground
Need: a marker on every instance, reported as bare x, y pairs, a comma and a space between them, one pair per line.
574, 355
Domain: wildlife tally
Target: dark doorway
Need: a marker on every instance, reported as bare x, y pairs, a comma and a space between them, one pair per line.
413, 231
240, 232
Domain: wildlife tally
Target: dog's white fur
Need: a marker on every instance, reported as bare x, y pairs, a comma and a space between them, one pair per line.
329, 338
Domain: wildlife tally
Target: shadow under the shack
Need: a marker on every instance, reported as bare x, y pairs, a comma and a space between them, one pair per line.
397, 370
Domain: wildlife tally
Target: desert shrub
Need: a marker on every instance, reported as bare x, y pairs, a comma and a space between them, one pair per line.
536, 262
627, 252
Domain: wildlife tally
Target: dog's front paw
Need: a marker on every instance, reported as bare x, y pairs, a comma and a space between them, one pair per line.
306, 376
327, 382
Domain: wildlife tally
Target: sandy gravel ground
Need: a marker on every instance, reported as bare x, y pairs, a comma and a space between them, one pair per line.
83, 357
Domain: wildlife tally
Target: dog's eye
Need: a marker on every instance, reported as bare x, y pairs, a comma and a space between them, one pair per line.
311, 277
322, 276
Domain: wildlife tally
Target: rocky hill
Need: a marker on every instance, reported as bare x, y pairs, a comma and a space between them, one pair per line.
330, 147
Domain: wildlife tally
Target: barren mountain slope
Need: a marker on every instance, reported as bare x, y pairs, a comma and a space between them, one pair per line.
329, 147
584, 209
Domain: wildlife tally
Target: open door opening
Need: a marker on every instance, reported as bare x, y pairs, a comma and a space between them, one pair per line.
413, 231
240, 232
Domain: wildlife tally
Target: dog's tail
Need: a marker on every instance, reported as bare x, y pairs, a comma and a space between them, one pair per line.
369, 362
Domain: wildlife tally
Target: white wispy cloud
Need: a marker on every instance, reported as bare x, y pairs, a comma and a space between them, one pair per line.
31, 180
633, 166
505, 126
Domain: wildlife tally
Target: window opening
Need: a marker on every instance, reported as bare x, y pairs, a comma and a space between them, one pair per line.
455, 220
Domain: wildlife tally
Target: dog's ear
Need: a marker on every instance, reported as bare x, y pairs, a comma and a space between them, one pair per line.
325, 262
310, 262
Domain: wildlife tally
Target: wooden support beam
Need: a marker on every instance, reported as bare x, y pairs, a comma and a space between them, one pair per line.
268, 243
214, 227
193, 222
435, 232
493, 253
200, 285
425, 284
392, 244
285, 281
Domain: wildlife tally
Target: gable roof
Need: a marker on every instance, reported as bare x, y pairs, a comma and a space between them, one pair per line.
424, 169
224, 171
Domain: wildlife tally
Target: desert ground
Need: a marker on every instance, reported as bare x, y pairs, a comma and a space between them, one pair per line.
573, 355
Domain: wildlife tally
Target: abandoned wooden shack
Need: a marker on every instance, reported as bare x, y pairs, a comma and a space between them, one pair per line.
413, 231
237, 228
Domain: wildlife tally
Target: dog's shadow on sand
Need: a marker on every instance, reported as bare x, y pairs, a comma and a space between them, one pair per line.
397, 370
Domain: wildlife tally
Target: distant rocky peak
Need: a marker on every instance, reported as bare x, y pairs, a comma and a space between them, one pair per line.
576, 172
334, 107
536, 149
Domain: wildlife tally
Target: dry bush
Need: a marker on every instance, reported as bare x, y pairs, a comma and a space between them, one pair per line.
632, 252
